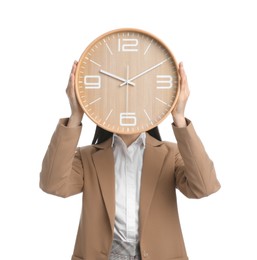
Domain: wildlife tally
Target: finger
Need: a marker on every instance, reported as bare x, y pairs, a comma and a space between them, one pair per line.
183, 77
74, 66
71, 79
73, 71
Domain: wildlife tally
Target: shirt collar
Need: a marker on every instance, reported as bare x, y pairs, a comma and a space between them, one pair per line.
140, 140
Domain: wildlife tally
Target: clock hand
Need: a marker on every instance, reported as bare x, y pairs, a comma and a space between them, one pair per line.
117, 77
127, 88
144, 72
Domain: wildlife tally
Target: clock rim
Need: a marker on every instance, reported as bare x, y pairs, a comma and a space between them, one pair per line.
115, 31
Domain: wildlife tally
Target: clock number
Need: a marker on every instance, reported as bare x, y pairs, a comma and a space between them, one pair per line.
92, 81
128, 119
164, 81
127, 45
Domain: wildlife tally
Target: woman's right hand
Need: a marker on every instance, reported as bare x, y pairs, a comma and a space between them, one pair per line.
76, 110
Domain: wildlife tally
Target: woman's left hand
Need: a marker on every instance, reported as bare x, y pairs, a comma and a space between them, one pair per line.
178, 113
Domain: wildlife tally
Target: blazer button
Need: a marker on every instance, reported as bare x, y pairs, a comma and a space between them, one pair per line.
145, 254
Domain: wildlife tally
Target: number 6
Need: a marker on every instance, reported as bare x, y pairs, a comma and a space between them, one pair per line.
128, 116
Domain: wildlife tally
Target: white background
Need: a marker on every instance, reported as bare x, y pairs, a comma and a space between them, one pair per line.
217, 42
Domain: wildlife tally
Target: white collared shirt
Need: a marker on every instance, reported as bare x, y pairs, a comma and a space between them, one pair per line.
128, 170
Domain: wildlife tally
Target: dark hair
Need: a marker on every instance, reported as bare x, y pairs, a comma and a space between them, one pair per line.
102, 135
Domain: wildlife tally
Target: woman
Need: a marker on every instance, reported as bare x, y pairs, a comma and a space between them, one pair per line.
129, 183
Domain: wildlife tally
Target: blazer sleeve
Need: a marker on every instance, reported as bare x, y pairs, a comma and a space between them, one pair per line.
62, 171
194, 171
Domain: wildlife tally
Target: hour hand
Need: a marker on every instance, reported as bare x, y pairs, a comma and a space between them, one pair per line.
117, 77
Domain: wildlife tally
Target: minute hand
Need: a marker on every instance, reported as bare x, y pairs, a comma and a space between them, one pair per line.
144, 72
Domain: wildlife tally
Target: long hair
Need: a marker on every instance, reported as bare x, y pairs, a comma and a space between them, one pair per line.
102, 135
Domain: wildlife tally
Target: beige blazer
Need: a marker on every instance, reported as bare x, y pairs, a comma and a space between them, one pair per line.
68, 170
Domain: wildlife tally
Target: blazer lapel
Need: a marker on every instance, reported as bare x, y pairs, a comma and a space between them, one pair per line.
152, 164
104, 164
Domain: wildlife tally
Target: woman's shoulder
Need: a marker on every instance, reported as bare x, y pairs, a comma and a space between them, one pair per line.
162, 144
170, 146
87, 148
95, 147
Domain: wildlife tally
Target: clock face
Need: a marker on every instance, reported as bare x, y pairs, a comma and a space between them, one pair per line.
127, 81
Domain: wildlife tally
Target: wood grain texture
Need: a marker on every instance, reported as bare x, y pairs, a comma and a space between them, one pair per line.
127, 81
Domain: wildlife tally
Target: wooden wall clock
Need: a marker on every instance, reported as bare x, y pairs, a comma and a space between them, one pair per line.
127, 81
